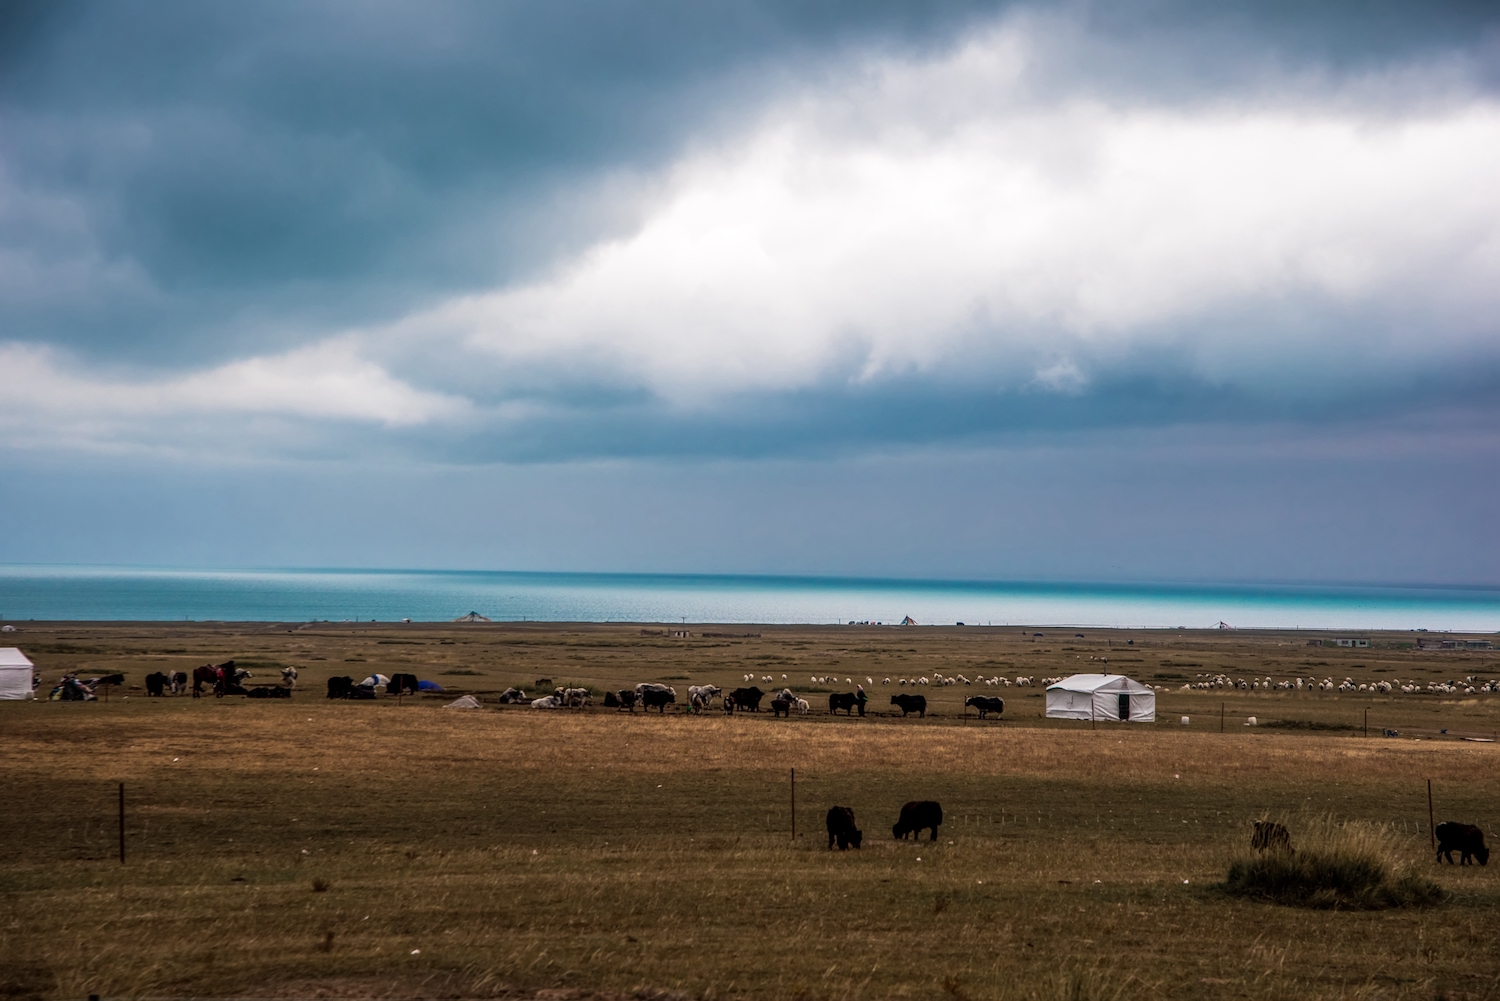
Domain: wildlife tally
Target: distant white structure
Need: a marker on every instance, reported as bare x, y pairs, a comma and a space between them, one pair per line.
1112, 697
15, 674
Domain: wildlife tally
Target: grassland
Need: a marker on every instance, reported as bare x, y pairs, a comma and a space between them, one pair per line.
593, 854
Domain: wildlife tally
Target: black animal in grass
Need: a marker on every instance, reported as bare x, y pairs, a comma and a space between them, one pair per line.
911, 704
841, 828
402, 684
1270, 836
917, 816
156, 683
338, 688
746, 700
623, 699
986, 704
1466, 839
782, 707
269, 692
848, 701
658, 700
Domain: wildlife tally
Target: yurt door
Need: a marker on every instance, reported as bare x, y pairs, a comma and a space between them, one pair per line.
1124, 707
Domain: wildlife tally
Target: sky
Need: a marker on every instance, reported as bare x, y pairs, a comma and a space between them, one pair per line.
1092, 291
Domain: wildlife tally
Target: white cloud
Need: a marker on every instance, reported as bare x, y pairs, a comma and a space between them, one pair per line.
45, 397
936, 217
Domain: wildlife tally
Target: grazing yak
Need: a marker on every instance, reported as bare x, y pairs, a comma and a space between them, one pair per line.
547, 702
782, 707
289, 677
338, 688
745, 699
1466, 839
846, 701
917, 816
1270, 836
177, 681
511, 696
655, 697
156, 683
986, 704
841, 828
402, 684
911, 704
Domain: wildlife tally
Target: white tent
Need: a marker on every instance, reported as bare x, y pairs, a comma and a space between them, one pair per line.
1101, 697
15, 674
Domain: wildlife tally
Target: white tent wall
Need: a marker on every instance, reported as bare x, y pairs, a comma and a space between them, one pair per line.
1103, 697
15, 674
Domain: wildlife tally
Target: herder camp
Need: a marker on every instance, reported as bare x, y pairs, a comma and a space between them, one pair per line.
1101, 697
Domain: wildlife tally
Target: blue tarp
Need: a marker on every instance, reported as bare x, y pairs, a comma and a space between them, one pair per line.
429, 686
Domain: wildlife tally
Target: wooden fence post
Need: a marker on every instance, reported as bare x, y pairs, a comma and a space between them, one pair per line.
794, 804
1431, 824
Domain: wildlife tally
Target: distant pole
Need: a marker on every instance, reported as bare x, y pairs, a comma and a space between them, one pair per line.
794, 804
122, 823
1367, 722
1431, 822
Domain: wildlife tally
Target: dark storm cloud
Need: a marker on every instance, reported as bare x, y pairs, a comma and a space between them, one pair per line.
186, 182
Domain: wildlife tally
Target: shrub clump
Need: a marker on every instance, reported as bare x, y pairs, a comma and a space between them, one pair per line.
1349, 866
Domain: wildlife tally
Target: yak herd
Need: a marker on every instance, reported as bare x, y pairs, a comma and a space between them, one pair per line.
916, 817
649, 695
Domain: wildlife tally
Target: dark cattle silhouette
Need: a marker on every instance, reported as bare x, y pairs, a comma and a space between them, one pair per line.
108, 679
747, 700
657, 700
402, 684
623, 699
847, 701
1466, 839
1270, 836
841, 828
986, 704
782, 707
269, 692
156, 683
339, 688
177, 681
917, 816
911, 704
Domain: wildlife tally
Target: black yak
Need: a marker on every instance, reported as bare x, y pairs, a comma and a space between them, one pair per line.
915, 817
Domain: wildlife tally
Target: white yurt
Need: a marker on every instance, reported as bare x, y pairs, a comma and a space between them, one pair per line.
1101, 697
15, 674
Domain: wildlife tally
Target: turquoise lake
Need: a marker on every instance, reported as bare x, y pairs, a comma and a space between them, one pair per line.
147, 594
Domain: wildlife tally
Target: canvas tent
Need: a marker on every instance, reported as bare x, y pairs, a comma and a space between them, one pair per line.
15, 674
1101, 697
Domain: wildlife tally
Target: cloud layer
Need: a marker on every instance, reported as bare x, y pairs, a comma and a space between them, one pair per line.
831, 234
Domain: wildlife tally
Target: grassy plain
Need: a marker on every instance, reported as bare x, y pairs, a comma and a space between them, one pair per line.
594, 854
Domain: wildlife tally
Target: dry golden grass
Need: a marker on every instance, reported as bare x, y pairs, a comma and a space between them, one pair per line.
600, 854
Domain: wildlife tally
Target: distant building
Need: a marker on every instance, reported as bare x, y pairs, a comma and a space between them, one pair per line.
1351, 642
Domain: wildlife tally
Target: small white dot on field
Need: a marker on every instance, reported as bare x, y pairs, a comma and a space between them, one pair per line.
365, 918
416, 952
1175, 776
1184, 882
981, 882
919, 858
175, 759
305, 852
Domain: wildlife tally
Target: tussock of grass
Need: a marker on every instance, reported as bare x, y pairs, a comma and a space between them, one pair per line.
1337, 866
